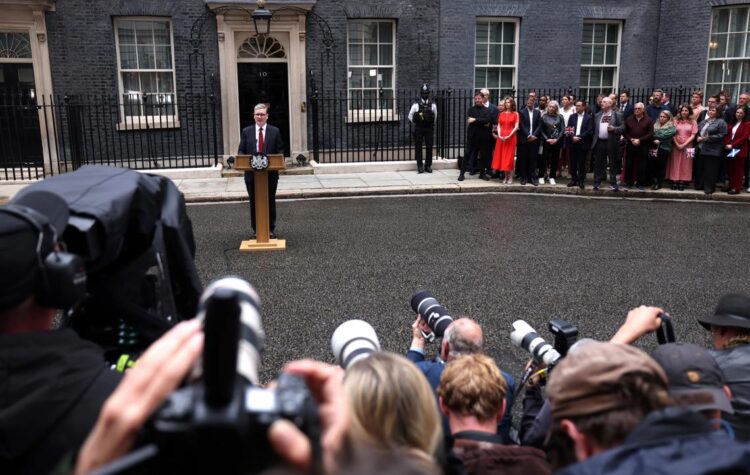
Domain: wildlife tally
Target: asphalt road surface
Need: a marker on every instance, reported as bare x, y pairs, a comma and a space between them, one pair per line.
493, 257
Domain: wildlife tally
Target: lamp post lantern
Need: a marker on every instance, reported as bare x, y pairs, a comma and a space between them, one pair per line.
262, 19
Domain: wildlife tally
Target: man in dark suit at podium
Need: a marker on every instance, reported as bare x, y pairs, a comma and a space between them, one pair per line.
266, 139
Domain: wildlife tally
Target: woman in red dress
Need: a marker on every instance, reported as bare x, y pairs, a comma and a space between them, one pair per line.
505, 148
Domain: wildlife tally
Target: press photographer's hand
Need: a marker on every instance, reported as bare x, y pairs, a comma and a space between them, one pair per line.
640, 320
326, 385
145, 387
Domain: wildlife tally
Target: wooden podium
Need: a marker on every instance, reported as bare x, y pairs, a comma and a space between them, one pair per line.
263, 242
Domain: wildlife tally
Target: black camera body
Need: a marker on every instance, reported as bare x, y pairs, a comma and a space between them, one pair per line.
195, 437
566, 334
220, 423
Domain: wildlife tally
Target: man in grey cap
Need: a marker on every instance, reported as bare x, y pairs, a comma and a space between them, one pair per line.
730, 331
609, 405
695, 379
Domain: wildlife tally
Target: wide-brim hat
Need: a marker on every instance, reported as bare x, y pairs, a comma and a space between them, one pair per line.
733, 310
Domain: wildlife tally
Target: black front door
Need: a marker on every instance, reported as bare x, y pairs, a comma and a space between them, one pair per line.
20, 138
265, 83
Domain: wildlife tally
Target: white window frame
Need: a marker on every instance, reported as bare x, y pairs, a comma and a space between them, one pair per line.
142, 121
585, 88
385, 114
743, 62
514, 66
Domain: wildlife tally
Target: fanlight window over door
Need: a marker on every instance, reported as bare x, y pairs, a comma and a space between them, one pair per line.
260, 47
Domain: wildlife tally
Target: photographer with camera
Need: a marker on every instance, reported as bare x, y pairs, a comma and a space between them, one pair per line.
472, 396
53, 382
459, 337
610, 410
730, 331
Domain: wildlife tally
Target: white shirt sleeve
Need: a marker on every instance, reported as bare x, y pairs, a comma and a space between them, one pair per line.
412, 111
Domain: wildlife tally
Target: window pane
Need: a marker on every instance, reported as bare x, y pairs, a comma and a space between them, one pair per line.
506, 78
355, 55
599, 29
355, 32
370, 32
509, 33
611, 55
128, 58
714, 71
130, 83
493, 78
355, 78
481, 54
612, 33
163, 57
165, 82
736, 45
598, 55
144, 35
355, 100
738, 21
722, 21
386, 54
386, 32
717, 46
508, 56
369, 99
371, 54
146, 58
387, 75
480, 77
496, 32
126, 33
745, 76
482, 33
370, 77
584, 77
161, 33
588, 33
595, 77
731, 71
148, 83
586, 52
608, 77
496, 51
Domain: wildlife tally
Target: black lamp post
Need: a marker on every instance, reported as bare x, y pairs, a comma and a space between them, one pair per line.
262, 19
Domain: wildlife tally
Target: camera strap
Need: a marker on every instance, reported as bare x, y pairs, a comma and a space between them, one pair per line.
665, 333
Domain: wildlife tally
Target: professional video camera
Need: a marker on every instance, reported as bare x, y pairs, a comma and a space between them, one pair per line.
136, 240
352, 341
221, 423
434, 314
524, 336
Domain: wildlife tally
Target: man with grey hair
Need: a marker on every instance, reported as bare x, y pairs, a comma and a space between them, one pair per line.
609, 124
262, 138
462, 337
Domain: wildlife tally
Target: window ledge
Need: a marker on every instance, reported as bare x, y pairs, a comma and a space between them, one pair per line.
147, 125
371, 116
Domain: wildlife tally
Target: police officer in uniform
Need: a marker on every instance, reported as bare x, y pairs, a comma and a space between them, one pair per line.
423, 115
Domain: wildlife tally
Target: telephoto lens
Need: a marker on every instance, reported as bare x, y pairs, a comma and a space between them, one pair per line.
524, 336
436, 316
352, 341
252, 338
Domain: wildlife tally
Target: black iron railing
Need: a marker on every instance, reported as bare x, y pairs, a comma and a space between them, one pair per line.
374, 127
46, 135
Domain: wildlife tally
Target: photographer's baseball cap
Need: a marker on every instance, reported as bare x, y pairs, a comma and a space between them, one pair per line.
733, 310
694, 376
585, 382
19, 239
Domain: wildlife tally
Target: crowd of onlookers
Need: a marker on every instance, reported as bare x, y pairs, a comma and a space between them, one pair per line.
640, 146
